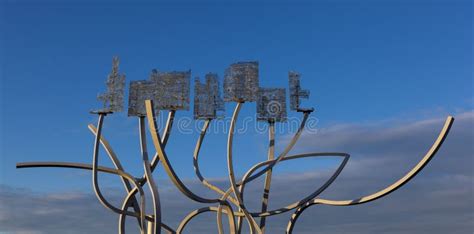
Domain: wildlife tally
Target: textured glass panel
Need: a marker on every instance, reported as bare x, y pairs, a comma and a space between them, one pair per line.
141, 90
207, 98
271, 104
241, 82
173, 89
295, 91
113, 98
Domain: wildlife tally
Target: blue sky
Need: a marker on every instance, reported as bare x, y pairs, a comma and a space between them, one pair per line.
363, 61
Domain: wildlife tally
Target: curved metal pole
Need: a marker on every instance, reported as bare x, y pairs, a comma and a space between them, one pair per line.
84, 166
301, 202
126, 203
95, 168
198, 145
113, 171
268, 176
164, 158
166, 164
113, 157
197, 212
110, 152
197, 149
230, 166
74, 166
389, 189
315, 193
196, 153
151, 182
164, 140
95, 183
230, 216
287, 149
121, 225
280, 210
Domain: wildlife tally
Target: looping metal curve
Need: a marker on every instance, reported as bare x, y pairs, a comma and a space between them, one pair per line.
233, 195
95, 183
154, 163
387, 190
84, 166
195, 213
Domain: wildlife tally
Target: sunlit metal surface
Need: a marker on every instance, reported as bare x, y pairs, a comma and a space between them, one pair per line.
383, 192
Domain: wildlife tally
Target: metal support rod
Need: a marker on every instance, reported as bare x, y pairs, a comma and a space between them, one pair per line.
197, 170
286, 150
155, 226
167, 165
268, 176
249, 177
164, 139
164, 158
126, 203
151, 228
113, 157
345, 156
95, 183
230, 166
84, 166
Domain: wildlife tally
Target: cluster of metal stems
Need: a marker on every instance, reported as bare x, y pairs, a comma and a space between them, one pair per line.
229, 199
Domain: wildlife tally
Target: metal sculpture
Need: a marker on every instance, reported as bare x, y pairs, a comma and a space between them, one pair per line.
241, 82
208, 102
170, 91
271, 105
113, 97
296, 93
139, 91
